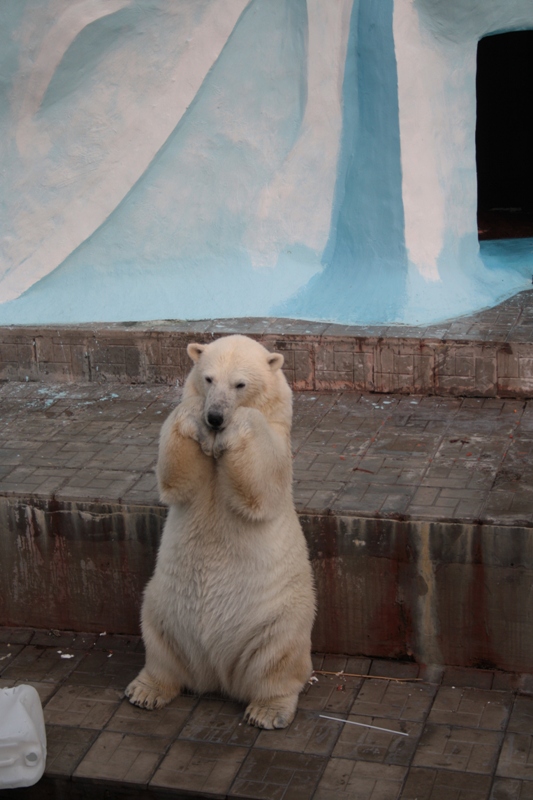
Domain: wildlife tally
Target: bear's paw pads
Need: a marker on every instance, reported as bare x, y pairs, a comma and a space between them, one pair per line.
268, 717
146, 696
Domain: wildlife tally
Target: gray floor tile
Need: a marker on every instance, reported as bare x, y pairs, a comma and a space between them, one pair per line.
471, 708
199, 767
219, 722
510, 789
167, 721
380, 746
516, 758
359, 780
82, 707
521, 720
273, 775
435, 784
393, 700
66, 747
459, 749
125, 758
307, 733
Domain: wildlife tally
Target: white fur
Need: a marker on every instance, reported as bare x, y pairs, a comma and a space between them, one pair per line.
231, 604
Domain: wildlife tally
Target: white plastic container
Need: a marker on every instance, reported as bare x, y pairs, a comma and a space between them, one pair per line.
22, 737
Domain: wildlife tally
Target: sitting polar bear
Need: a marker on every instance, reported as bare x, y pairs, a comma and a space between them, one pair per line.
231, 604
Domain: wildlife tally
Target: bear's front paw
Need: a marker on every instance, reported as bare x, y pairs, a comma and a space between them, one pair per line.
238, 431
206, 440
188, 417
220, 445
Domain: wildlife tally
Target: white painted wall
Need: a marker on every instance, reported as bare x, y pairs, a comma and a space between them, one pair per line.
214, 158
436, 47
296, 205
74, 170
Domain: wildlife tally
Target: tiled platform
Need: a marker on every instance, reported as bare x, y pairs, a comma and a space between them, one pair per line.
418, 513
470, 732
489, 354
426, 458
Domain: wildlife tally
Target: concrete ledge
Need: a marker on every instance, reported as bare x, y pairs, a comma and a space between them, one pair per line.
446, 593
487, 355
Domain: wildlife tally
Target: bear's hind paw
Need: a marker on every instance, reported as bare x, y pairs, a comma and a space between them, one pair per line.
147, 695
270, 716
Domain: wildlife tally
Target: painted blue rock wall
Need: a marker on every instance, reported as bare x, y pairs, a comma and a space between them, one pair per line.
270, 195
365, 262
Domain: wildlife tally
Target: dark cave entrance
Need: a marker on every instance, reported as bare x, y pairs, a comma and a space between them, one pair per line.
504, 135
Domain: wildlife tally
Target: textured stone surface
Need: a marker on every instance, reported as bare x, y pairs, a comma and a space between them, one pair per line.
98, 744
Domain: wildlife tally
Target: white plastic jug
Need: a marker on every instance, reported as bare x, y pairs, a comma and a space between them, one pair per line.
22, 737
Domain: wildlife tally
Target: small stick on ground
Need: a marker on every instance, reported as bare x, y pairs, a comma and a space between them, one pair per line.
357, 675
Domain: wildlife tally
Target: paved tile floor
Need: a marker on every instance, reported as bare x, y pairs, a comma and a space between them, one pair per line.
469, 732
434, 458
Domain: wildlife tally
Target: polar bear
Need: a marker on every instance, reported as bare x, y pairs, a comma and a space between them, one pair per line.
231, 603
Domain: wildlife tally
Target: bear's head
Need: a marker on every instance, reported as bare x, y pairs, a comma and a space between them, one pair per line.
236, 371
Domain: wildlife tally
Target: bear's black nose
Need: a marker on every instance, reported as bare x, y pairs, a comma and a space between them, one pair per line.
215, 419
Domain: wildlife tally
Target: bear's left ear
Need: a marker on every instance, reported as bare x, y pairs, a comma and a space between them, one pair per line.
275, 361
194, 351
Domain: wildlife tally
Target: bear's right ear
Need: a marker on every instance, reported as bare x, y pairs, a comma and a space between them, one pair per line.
275, 361
194, 351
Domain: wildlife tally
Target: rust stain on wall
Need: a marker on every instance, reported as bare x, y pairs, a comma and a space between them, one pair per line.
455, 594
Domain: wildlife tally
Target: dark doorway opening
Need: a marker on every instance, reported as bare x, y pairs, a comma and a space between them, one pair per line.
504, 135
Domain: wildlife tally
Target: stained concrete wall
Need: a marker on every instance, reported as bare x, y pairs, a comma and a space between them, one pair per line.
438, 594
216, 158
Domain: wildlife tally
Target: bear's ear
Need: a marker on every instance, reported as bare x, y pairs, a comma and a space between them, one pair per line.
194, 351
275, 361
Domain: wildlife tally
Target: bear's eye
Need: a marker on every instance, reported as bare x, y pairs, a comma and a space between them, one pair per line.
240, 385
209, 380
